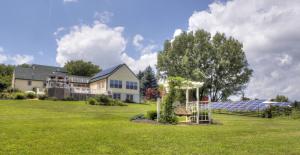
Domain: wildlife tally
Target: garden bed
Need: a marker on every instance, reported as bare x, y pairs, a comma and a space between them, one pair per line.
147, 121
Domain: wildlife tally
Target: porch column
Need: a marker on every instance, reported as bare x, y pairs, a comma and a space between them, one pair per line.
186, 101
158, 108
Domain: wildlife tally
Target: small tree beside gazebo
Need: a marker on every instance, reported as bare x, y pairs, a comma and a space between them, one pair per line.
195, 112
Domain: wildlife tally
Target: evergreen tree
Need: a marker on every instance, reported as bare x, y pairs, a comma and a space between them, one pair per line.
140, 75
148, 82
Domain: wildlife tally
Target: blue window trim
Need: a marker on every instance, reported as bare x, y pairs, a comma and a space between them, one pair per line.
115, 84
131, 85
116, 96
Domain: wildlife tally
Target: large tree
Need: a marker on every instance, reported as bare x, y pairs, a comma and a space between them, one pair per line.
219, 61
81, 68
6, 72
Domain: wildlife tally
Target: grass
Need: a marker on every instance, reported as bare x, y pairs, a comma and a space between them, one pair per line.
56, 127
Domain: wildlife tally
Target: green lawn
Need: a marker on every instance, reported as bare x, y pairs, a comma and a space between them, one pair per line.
54, 127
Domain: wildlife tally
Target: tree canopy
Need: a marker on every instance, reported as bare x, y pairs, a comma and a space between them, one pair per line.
6, 72
81, 68
219, 61
280, 98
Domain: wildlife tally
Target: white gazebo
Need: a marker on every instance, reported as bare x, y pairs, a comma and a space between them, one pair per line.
195, 111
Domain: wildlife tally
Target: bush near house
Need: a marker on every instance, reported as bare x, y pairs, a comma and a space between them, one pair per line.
129, 101
42, 97
102, 99
19, 96
118, 103
30, 95
92, 101
6, 96
105, 100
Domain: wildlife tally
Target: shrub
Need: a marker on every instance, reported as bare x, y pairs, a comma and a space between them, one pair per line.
137, 117
12, 90
42, 97
103, 99
92, 101
6, 96
19, 96
128, 101
118, 103
30, 95
69, 98
152, 115
168, 120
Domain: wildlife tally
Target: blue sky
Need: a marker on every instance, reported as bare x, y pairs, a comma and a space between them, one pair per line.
108, 32
27, 27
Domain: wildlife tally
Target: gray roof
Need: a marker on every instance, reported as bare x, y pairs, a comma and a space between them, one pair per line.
41, 73
105, 73
36, 72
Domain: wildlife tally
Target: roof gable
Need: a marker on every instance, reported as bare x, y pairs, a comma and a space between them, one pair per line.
107, 72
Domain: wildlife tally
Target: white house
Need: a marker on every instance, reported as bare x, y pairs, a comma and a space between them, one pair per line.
119, 81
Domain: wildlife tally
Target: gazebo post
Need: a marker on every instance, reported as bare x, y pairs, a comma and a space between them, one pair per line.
158, 108
197, 95
186, 102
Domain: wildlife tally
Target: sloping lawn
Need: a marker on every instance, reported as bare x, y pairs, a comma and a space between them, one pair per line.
55, 127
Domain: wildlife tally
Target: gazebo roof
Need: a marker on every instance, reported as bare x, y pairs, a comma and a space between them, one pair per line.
187, 84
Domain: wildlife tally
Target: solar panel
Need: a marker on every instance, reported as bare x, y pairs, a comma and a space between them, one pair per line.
252, 105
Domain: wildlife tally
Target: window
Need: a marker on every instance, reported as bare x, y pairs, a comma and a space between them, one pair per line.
115, 84
117, 96
29, 82
131, 85
129, 97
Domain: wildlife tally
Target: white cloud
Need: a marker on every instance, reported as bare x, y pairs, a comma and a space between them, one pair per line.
102, 45
98, 43
149, 59
149, 49
137, 41
284, 59
1, 49
58, 31
3, 58
177, 32
14, 59
70, 1
103, 17
270, 35
21, 59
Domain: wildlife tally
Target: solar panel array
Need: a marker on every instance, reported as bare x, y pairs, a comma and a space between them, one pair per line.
252, 105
